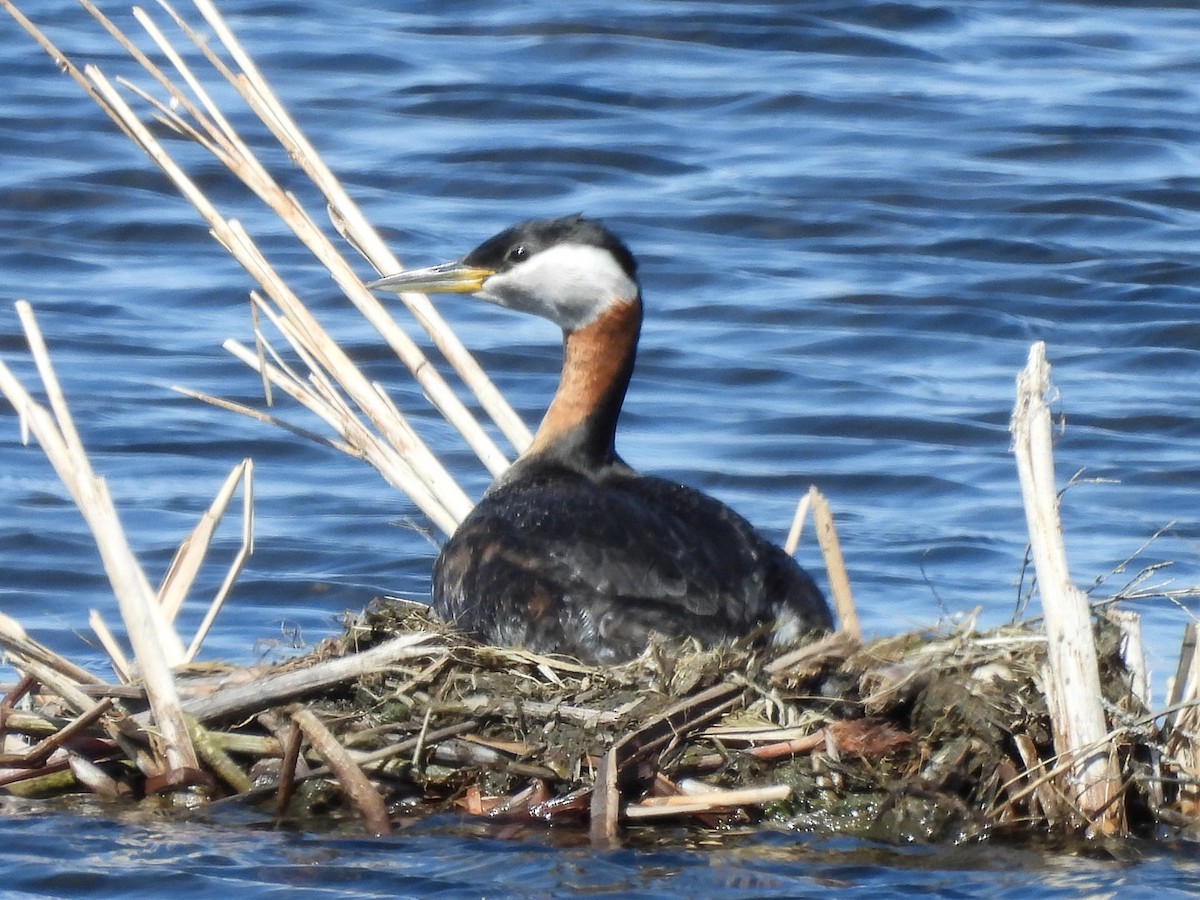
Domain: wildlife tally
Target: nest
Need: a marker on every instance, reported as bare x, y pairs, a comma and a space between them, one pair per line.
927, 736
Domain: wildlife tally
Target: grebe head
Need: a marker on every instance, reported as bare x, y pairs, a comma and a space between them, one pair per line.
567, 270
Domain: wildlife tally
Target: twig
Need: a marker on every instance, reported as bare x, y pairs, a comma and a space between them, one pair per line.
287, 771
37, 755
271, 690
358, 788
362, 759
250, 412
713, 800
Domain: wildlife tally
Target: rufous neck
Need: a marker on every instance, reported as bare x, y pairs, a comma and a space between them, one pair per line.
598, 358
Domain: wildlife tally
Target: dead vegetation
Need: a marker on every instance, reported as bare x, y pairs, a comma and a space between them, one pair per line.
925, 736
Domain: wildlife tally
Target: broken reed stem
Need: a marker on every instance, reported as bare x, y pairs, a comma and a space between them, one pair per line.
793, 538
245, 474
290, 758
1133, 653
1187, 654
155, 644
185, 565
711, 800
1182, 750
1073, 679
210, 129
605, 809
282, 687
835, 565
450, 504
352, 224
358, 788
60, 441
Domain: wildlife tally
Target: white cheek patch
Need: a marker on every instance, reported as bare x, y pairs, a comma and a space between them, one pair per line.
569, 284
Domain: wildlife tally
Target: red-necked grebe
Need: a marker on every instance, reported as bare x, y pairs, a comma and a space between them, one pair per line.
570, 550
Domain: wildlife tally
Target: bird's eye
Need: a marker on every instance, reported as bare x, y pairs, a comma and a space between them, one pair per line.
517, 254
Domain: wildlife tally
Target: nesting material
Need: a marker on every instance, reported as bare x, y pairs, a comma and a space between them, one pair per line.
941, 735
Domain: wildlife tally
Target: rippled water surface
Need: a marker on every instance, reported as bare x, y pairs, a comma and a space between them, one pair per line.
852, 219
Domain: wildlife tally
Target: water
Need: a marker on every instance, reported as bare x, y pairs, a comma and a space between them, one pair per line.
135, 858
852, 218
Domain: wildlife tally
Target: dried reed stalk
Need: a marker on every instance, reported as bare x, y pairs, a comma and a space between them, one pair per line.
280, 687
191, 551
706, 801
359, 411
155, 643
1182, 750
358, 788
835, 565
147, 615
1073, 678
351, 223
793, 538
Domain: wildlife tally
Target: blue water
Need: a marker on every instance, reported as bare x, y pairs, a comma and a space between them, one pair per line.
852, 218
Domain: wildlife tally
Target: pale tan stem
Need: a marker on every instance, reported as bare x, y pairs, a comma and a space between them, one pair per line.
835, 565
247, 547
156, 646
261, 97
1073, 682
185, 565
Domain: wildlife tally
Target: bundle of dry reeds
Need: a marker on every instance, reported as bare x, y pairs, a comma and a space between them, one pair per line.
363, 420
941, 735
970, 732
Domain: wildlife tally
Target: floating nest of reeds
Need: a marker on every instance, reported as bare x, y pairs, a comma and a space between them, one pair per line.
929, 736
925, 736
